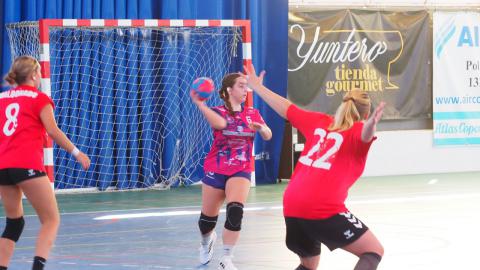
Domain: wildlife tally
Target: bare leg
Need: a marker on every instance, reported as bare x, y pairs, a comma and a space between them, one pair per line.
212, 200
40, 194
368, 249
12, 202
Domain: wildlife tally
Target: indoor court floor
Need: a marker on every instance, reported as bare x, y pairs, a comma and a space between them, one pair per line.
425, 222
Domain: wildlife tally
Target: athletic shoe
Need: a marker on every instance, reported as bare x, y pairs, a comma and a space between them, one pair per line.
226, 263
206, 251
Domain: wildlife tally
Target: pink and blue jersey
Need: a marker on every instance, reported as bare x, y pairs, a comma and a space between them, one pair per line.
231, 150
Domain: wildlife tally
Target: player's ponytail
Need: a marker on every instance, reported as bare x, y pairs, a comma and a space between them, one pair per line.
228, 81
21, 69
355, 107
11, 78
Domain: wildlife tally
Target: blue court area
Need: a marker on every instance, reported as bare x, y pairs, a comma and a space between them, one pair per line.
424, 222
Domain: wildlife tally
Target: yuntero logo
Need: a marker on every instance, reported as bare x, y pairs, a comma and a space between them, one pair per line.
468, 36
357, 58
348, 50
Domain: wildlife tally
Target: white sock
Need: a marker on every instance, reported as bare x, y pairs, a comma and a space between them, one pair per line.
228, 250
206, 238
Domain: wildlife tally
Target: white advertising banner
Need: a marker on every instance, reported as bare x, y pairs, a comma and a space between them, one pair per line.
456, 78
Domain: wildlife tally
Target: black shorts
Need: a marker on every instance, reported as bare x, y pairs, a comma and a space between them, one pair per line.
13, 176
305, 236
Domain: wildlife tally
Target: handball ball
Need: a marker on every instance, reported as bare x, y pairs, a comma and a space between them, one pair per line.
204, 87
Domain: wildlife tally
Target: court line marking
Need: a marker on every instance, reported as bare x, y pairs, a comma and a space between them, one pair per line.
251, 209
348, 202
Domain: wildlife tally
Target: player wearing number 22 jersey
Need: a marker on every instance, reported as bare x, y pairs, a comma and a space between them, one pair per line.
333, 158
20, 115
329, 165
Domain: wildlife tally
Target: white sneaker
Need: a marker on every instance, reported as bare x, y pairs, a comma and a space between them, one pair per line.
226, 263
206, 251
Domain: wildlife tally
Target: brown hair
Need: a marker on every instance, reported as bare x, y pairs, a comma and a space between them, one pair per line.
355, 107
21, 68
228, 81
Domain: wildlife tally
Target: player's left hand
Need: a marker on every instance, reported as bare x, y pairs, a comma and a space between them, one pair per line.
255, 126
253, 80
377, 114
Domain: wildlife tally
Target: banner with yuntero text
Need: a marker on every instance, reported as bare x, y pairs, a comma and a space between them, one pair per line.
456, 78
386, 53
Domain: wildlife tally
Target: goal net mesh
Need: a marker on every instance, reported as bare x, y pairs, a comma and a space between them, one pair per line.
121, 95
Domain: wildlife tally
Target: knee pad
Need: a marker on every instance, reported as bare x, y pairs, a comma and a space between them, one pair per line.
368, 261
234, 216
13, 228
206, 224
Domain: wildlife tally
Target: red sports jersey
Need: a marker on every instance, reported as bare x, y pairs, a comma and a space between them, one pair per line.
231, 150
329, 165
22, 134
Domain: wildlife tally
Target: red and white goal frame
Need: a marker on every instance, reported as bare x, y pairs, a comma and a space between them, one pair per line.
44, 32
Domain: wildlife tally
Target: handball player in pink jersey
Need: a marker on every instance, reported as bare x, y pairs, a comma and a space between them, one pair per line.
228, 165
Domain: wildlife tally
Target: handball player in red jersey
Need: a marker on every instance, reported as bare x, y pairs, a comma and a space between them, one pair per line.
227, 165
333, 159
26, 116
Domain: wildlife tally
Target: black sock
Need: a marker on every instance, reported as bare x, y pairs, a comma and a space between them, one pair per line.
3, 268
368, 261
38, 263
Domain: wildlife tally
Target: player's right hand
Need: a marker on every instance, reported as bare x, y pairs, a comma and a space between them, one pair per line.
195, 98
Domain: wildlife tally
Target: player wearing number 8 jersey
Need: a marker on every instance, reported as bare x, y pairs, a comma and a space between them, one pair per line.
26, 115
22, 134
333, 159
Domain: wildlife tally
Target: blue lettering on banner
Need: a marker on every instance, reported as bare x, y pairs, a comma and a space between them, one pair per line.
460, 128
469, 36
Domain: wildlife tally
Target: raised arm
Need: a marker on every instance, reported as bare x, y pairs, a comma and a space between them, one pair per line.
370, 125
214, 119
278, 103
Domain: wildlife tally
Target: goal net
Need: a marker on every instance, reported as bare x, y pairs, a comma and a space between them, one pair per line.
121, 91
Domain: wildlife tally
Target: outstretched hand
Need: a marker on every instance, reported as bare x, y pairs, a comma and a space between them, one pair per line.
370, 126
253, 80
377, 114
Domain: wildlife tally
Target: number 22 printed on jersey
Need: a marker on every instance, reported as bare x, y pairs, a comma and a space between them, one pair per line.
321, 161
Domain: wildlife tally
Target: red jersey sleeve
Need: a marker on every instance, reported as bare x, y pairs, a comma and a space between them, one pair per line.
361, 147
41, 101
304, 120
